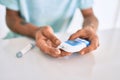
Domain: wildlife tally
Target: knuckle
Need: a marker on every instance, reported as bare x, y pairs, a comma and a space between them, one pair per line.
93, 48
79, 31
65, 54
47, 28
53, 55
53, 38
86, 50
72, 36
90, 49
45, 50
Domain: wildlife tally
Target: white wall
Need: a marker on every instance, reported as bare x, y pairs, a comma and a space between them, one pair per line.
3, 27
117, 21
106, 11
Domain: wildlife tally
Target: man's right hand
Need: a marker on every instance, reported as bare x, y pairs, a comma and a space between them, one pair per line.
44, 38
48, 42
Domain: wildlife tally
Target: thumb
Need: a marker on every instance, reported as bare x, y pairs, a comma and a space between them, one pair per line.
48, 32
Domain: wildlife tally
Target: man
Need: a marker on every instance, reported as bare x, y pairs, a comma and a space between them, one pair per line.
38, 19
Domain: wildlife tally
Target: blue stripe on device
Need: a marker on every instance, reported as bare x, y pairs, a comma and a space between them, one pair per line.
77, 41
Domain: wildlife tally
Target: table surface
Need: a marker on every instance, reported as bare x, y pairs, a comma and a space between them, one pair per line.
101, 64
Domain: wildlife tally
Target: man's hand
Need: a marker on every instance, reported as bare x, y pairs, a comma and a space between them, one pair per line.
88, 31
48, 42
89, 34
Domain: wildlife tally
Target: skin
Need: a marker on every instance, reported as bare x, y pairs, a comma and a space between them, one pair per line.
44, 35
88, 31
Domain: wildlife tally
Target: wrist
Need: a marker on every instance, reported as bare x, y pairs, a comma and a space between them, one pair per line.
89, 28
36, 30
91, 22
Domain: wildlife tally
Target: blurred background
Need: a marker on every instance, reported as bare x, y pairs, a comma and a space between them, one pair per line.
107, 12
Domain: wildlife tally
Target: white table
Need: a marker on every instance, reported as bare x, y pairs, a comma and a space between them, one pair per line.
102, 64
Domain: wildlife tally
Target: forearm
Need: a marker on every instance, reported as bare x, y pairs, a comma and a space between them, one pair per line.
19, 25
90, 20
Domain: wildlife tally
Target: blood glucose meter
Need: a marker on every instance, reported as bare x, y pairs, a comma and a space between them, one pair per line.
74, 45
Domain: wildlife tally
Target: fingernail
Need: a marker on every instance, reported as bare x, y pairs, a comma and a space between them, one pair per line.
82, 53
58, 51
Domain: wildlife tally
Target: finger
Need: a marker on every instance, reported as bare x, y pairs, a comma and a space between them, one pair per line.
51, 44
78, 34
86, 50
48, 32
93, 45
47, 49
63, 53
39, 36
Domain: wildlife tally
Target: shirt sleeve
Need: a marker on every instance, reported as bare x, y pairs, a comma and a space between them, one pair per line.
10, 4
84, 4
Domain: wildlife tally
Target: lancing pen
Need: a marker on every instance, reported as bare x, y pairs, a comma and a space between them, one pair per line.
25, 50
